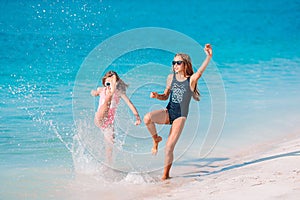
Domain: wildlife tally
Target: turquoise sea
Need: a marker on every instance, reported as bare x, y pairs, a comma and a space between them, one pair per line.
54, 52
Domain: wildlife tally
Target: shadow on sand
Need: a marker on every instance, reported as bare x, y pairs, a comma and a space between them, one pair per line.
214, 163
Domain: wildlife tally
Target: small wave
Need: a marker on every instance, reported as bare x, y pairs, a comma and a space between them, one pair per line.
138, 178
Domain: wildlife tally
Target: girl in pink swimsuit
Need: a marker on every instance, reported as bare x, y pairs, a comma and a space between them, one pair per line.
114, 89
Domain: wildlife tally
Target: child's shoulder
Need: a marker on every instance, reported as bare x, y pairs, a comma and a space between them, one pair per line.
170, 79
170, 76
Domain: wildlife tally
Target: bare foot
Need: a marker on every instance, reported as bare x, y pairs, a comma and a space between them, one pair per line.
165, 177
156, 139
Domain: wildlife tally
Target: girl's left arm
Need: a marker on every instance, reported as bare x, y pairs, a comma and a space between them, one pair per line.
195, 77
132, 108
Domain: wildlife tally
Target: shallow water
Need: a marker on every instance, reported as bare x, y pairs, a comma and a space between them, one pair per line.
45, 45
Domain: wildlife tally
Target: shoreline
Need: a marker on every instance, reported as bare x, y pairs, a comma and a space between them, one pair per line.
270, 170
267, 170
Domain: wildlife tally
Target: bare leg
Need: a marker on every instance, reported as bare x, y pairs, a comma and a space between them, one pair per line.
109, 141
102, 112
175, 132
159, 117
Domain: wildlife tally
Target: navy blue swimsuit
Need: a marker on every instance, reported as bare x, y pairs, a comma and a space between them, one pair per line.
180, 98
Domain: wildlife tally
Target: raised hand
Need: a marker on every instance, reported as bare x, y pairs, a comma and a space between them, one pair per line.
208, 50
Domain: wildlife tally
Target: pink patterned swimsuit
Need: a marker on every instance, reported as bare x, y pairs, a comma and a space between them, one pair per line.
112, 109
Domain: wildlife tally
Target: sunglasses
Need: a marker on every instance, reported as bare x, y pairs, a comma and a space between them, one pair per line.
107, 84
179, 62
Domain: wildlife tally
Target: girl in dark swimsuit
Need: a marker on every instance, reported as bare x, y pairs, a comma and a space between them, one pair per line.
181, 86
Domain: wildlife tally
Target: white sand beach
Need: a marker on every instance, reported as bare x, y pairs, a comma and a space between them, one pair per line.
265, 171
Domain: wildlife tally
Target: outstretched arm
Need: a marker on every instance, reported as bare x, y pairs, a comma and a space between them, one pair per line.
96, 92
195, 77
132, 108
166, 93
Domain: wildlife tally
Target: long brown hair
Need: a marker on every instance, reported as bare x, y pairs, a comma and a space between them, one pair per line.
121, 86
188, 71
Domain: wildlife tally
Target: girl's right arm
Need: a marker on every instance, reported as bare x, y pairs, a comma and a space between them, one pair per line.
166, 93
96, 92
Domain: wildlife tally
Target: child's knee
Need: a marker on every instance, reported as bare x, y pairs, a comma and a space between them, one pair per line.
169, 149
147, 119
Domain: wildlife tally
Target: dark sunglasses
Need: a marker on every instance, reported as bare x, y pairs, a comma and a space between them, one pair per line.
179, 62
107, 84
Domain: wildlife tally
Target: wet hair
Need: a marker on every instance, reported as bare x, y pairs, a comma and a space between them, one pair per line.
121, 86
188, 71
